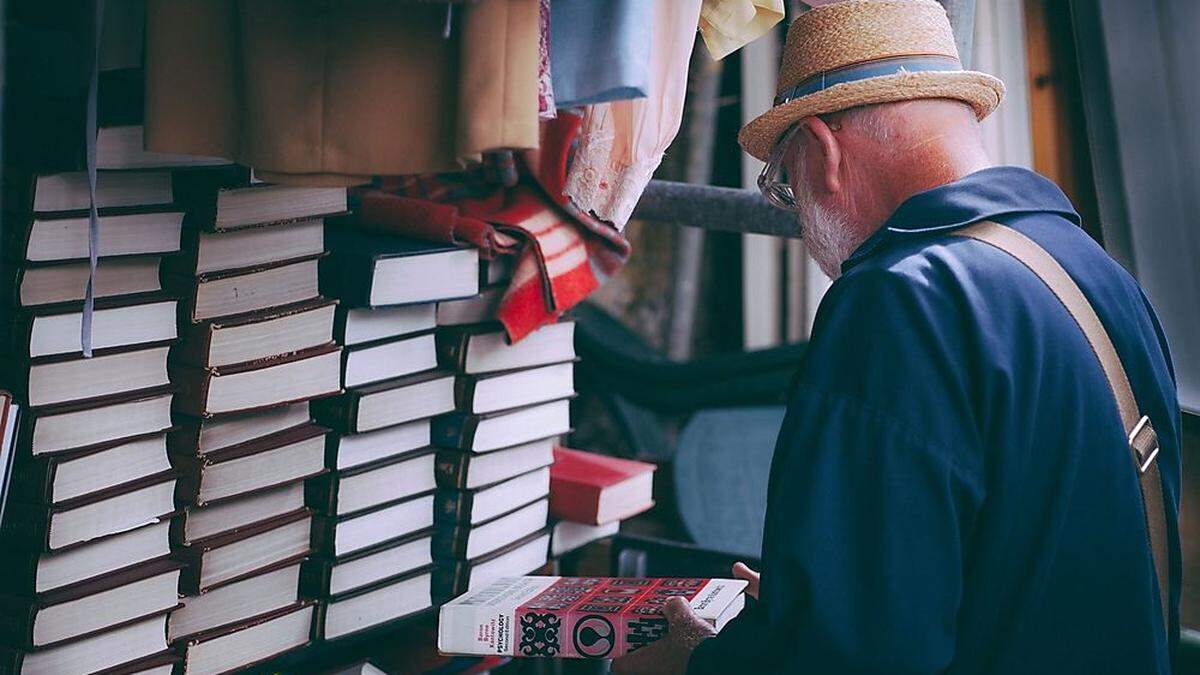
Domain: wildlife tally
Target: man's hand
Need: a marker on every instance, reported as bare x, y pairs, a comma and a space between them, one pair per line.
669, 655
741, 571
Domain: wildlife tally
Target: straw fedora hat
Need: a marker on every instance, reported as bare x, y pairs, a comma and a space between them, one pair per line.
860, 52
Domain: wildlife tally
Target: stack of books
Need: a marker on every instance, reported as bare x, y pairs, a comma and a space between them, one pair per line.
88, 579
375, 506
590, 494
256, 347
512, 403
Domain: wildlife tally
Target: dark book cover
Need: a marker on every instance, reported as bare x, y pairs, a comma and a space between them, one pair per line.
18, 612
349, 271
27, 525
193, 465
321, 492
317, 572
452, 577
193, 554
187, 286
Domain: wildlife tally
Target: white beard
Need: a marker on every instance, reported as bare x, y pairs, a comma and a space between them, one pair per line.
828, 237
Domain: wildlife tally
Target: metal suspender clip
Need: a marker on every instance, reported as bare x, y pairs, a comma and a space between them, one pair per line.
1144, 442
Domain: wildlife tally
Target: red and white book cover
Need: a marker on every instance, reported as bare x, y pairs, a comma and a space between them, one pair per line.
576, 617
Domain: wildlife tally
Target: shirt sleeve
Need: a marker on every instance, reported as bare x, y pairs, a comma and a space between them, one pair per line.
872, 501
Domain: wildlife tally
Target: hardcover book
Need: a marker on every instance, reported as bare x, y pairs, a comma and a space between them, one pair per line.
464, 470
482, 308
372, 270
71, 378
388, 403
340, 536
268, 591
229, 198
341, 493
43, 619
485, 349
236, 514
227, 293
577, 617
262, 384
116, 322
492, 431
476, 506
453, 577
346, 451
29, 192
95, 654
387, 360
242, 338
464, 541
36, 285
75, 522
260, 464
324, 574
92, 424
31, 571
239, 554
123, 232
211, 252
596, 489
209, 434
376, 605
360, 325
231, 648
506, 390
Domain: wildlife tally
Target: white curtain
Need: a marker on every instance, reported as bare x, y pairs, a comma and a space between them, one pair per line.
1138, 65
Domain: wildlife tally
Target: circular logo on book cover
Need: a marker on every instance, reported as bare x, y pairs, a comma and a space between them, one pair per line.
593, 636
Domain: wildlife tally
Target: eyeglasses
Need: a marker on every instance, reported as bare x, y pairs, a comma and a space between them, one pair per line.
773, 181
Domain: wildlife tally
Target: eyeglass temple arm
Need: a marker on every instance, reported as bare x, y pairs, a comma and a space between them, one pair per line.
714, 208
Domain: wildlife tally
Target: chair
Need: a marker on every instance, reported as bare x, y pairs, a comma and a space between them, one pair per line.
726, 411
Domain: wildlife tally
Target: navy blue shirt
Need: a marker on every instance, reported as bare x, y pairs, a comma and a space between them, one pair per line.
952, 491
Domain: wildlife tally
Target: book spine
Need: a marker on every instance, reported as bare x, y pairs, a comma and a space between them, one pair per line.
315, 576
320, 493
32, 479
450, 579
339, 413
191, 397
450, 539
194, 346
348, 278
15, 234
20, 571
323, 536
26, 526
450, 469
452, 350
16, 620
576, 502
454, 430
453, 506
464, 393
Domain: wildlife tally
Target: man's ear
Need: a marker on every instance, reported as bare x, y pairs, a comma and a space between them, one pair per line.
828, 151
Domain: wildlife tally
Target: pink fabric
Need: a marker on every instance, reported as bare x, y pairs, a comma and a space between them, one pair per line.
622, 142
546, 107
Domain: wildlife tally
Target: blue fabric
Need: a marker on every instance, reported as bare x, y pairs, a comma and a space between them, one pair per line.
865, 71
951, 491
720, 469
599, 51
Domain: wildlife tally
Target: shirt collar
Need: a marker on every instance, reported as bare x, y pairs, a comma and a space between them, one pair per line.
985, 194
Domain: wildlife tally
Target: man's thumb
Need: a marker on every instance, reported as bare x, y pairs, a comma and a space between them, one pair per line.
677, 610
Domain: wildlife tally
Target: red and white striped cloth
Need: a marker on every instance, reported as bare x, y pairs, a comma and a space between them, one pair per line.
564, 254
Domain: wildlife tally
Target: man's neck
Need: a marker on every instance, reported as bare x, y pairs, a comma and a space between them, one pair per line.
925, 167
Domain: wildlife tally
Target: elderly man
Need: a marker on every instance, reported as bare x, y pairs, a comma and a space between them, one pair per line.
967, 479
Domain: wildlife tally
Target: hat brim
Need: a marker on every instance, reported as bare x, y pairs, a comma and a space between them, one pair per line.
979, 90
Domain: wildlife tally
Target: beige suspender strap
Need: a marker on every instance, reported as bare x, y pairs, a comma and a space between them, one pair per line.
1143, 442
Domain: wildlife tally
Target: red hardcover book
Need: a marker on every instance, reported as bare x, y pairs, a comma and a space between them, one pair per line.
577, 617
596, 489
